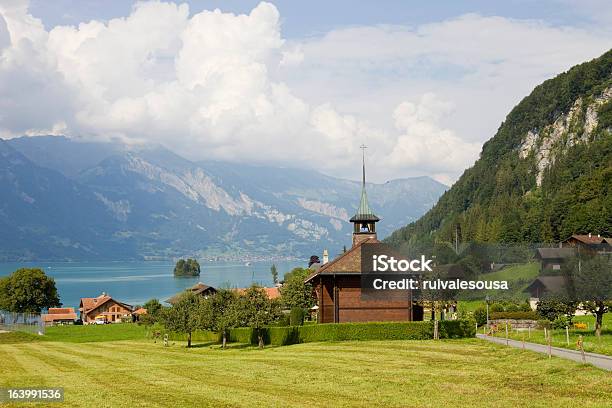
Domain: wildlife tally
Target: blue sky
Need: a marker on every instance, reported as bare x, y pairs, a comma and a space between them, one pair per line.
313, 17
295, 83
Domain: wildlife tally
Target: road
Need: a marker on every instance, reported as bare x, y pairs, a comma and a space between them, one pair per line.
598, 360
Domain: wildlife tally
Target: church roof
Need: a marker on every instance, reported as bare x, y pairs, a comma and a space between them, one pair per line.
348, 262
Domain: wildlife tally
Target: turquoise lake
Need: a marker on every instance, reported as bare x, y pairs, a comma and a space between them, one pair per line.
136, 282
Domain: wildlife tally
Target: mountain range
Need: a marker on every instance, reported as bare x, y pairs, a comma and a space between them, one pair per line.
545, 175
67, 199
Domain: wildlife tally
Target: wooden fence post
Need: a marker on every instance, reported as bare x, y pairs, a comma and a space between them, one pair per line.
567, 335
549, 345
523, 341
581, 347
529, 331
506, 332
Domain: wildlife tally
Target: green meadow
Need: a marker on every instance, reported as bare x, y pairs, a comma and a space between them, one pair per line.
118, 372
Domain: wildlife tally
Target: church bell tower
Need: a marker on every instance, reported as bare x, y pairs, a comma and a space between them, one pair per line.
364, 221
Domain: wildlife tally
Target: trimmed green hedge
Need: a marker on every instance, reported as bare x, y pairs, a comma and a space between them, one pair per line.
281, 336
243, 335
366, 331
515, 315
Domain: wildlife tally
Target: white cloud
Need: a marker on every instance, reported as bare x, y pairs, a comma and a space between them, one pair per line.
229, 86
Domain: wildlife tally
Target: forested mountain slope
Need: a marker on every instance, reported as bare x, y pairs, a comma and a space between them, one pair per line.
547, 172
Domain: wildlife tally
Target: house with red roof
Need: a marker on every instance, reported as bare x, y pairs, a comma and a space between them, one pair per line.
103, 309
59, 315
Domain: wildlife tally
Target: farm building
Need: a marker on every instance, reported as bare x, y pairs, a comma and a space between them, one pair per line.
59, 315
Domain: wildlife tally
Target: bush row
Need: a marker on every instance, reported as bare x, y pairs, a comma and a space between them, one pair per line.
514, 315
280, 336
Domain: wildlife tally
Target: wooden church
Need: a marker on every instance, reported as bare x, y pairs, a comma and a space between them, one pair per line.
338, 283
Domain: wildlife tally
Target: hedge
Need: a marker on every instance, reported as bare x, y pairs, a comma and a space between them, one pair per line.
280, 336
514, 315
243, 335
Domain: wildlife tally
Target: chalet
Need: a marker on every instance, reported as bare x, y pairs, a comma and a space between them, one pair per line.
198, 289
554, 258
595, 244
337, 284
546, 285
59, 315
103, 308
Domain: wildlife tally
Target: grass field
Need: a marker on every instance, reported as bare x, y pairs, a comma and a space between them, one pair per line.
591, 343
138, 373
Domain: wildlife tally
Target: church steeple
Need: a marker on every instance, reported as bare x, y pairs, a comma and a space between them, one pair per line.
364, 221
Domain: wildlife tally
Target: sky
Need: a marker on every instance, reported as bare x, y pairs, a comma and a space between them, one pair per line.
289, 83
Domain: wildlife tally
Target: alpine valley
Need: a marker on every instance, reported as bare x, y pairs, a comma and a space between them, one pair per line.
65, 199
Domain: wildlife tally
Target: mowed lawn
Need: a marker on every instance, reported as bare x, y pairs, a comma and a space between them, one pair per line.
139, 373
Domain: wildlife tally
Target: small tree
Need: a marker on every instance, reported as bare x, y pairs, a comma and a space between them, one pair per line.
274, 273
154, 313
28, 291
183, 316
592, 284
254, 309
551, 307
296, 293
217, 313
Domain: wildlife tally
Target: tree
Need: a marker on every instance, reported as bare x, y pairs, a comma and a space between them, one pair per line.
296, 293
592, 284
274, 273
254, 309
217, 313
552, 306
28, 291
183, 316
189, 267
154, 313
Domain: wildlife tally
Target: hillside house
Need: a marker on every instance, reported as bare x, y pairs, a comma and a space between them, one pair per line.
553, 258
198, 289
595, 244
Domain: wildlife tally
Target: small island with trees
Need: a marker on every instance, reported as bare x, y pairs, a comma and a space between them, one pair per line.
189, 267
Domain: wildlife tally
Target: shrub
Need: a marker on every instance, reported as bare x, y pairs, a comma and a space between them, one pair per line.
296, 318
512, 308
514, 315
480, 314
285, 320
560, 322
496, 307
456, 329
544, 324
525, 307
